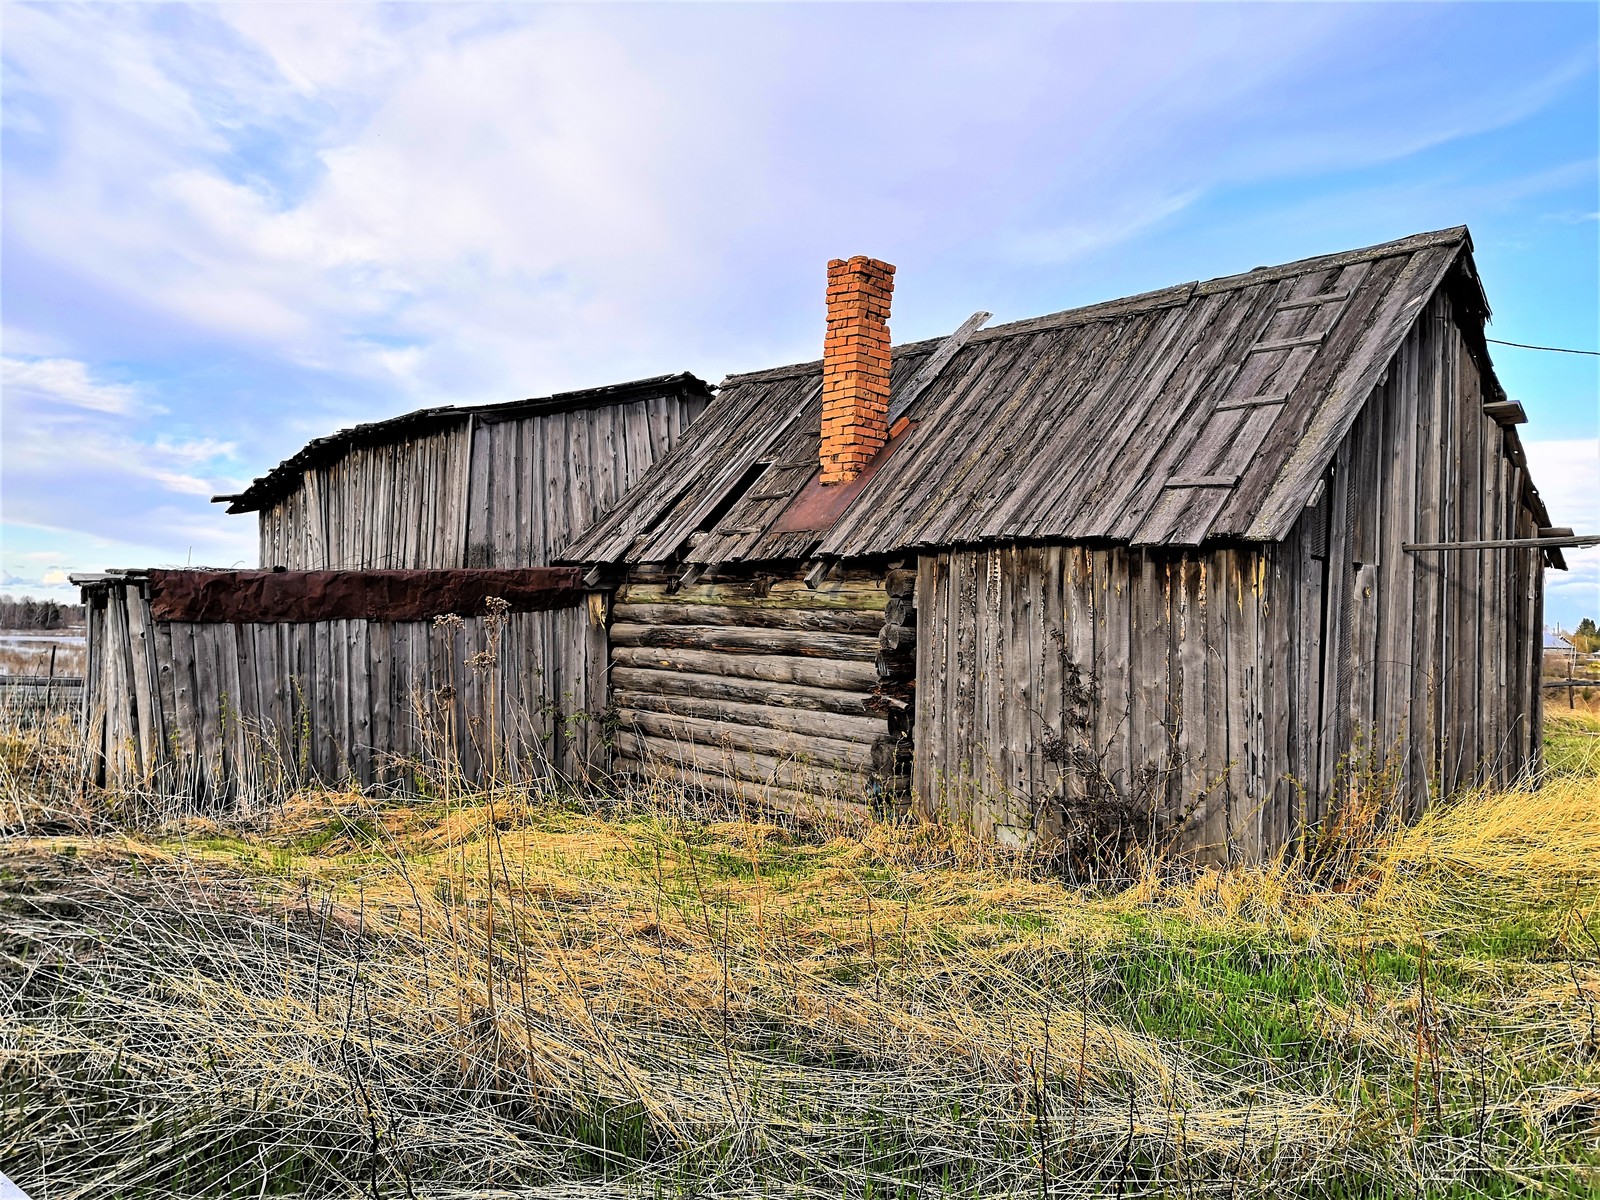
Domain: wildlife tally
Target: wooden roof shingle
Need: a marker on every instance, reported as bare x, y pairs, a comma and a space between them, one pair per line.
1199, 412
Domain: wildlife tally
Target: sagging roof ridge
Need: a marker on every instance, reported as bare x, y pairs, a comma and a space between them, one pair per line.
1151, 301
323, 450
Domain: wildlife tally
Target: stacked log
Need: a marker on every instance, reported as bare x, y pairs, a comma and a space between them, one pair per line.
761, 686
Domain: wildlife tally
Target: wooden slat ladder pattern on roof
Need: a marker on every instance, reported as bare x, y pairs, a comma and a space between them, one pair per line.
1300, 318
935, 363
1239, 424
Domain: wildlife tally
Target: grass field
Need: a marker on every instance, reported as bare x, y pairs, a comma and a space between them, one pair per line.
502, 994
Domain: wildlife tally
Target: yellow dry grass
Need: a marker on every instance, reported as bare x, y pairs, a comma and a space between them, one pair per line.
509, 993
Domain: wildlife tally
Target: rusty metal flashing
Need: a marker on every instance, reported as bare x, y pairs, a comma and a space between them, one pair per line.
289, 597
818, 505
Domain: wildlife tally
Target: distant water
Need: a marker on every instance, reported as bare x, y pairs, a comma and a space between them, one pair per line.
28, 652
23, 639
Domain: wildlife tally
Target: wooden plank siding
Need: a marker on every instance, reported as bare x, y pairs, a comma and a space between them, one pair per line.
251, 709
1230, 697
232, 709
481, 492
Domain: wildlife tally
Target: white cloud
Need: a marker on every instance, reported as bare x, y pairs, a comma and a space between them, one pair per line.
1567, 473
421, 204
65, 382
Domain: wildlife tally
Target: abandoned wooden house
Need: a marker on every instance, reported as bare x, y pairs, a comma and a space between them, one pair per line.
1180, 562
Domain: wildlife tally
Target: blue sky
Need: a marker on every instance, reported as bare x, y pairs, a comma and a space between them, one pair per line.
229, 230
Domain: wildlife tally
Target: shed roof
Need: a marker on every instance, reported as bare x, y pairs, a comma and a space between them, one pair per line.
323, 451
1202, 411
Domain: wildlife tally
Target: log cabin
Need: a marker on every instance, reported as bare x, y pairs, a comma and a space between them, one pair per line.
1189, 566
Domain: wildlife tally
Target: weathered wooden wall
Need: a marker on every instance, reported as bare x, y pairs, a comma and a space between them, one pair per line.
398, 505
1055, 684
1228, 692
766, 688
223, 709
528, 485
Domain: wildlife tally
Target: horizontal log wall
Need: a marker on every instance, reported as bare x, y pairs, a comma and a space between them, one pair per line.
528, 485
767, 689
229, 709
1233, 696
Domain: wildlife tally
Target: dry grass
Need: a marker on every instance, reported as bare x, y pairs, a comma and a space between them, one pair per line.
530, 994
33, 657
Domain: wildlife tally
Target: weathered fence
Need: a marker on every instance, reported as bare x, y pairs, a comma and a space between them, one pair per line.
223, 707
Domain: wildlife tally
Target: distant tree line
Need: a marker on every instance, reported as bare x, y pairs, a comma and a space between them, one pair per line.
28, 613
1586, 638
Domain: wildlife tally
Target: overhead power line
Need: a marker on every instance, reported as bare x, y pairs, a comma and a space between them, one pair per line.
1552, 349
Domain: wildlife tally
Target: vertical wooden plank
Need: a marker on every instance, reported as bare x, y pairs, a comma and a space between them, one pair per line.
122, 761
166, 690
382, 701
1114, 608
360, 678
214, 702
526, 505
966, 572
1491, 746
185, 737
224, 642
1277, 648
339, 699
1048, 636
1149, 651
558, 482
1334, 705
1188, 792
271, 681
924, 751
141, 672
1246, 723
1081, 619
1217, 832
320, 696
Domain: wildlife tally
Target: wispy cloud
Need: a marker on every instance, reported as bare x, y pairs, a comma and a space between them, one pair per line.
228, 228
62, 381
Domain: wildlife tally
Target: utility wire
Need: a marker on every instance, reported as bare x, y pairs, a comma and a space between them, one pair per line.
1552, 349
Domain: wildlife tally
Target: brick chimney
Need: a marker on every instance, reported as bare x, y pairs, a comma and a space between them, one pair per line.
855, 366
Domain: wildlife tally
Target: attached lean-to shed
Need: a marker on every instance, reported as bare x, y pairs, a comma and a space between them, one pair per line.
1179, 565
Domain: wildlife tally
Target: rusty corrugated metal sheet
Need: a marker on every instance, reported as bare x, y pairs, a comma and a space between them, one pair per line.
284, 597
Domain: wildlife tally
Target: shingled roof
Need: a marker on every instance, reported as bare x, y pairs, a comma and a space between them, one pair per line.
1201, 412
324, 451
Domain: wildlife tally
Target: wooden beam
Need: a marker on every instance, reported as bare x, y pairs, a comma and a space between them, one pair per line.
1310, 301
1314, 339
1202, 481
1541, 543
936, 362
1253, 401
1506, 412
819, 572
802, 643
